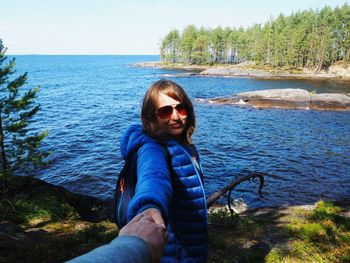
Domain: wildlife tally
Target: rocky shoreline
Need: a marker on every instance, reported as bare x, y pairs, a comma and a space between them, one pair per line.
275, 98
286, 99
335, 72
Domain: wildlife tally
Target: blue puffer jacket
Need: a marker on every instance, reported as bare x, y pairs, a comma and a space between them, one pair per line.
177, 192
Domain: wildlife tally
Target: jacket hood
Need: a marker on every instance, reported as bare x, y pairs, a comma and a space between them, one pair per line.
133, 138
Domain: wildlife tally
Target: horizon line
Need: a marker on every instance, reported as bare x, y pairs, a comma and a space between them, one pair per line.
34, 54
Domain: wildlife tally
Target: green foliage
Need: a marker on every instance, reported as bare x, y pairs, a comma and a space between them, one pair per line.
325, 211
310, 231
221, 216
302, 234
324, 235
169, 50
18, 144
313, 93
49, 230
276, 255
188, 36
313, 39
216, 241
38, 224
346, 256
44, 207
56, 242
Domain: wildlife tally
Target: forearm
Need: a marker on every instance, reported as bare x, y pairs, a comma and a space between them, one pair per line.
123, 249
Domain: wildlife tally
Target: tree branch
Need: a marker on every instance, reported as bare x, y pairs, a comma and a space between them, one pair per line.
211, 200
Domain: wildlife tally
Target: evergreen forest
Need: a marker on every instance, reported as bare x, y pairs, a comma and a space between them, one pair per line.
312, 39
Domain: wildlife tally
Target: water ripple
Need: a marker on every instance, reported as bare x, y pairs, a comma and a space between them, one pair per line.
88, 101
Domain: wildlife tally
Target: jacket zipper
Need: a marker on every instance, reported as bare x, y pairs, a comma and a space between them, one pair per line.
199, 178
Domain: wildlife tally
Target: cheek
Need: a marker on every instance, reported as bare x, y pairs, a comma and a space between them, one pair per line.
161, 123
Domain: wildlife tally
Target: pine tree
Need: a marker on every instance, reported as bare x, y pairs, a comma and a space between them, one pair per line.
188, 36
313, 39
201, 44
18, 144
170, 47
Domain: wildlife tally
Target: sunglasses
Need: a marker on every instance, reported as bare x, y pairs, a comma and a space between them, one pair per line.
165, 112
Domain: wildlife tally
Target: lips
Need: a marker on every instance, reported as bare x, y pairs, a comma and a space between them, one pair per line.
176, 125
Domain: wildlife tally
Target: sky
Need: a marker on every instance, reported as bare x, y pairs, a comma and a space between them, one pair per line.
126, 27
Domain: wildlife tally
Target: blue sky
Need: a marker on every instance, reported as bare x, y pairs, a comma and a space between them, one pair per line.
126, 27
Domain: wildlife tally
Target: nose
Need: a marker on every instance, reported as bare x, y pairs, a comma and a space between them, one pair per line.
175, 115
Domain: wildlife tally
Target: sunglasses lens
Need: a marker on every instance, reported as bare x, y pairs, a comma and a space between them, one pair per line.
181, 109
165, 112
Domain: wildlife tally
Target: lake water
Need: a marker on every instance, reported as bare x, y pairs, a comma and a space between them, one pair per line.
88, 101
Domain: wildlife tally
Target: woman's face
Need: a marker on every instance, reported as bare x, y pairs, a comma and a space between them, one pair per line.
175, 123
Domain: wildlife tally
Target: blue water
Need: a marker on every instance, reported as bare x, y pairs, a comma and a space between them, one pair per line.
88, 101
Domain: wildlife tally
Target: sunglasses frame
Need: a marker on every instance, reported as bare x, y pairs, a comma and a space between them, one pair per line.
173, 106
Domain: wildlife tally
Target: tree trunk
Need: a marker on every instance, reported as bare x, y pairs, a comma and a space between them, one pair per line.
321, 59
347, 58
3, 153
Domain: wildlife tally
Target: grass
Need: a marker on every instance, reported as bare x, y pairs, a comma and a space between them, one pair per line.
321, 234
234, 238
313, 93
44, 207
43, 227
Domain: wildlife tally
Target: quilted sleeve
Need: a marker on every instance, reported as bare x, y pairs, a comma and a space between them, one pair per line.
154, 185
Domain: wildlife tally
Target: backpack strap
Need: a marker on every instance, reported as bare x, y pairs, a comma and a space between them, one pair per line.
125, 189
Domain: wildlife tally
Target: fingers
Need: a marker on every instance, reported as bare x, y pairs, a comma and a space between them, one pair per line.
155, 215
136, 218
145, 227
158, 219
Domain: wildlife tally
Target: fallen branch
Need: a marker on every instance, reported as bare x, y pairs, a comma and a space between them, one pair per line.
211, 200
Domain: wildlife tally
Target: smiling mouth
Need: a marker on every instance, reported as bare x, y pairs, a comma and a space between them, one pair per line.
176, 126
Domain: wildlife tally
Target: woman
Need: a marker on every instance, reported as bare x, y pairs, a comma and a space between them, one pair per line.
169, 185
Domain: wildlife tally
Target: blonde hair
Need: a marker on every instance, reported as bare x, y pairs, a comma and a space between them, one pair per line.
149, 108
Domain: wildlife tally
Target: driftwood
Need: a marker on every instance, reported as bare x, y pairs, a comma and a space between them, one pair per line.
228, 188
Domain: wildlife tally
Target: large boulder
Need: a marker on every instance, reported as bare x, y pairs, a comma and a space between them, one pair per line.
235, 71
281, 98
288, 99
330, 101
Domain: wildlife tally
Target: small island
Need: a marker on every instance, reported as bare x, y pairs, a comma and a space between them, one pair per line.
310, 44
287, 99
249, 69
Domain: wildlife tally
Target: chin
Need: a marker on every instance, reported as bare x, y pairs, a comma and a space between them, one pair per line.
176, 133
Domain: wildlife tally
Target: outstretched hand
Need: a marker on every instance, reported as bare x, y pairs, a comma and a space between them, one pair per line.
155, 215
146, 228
